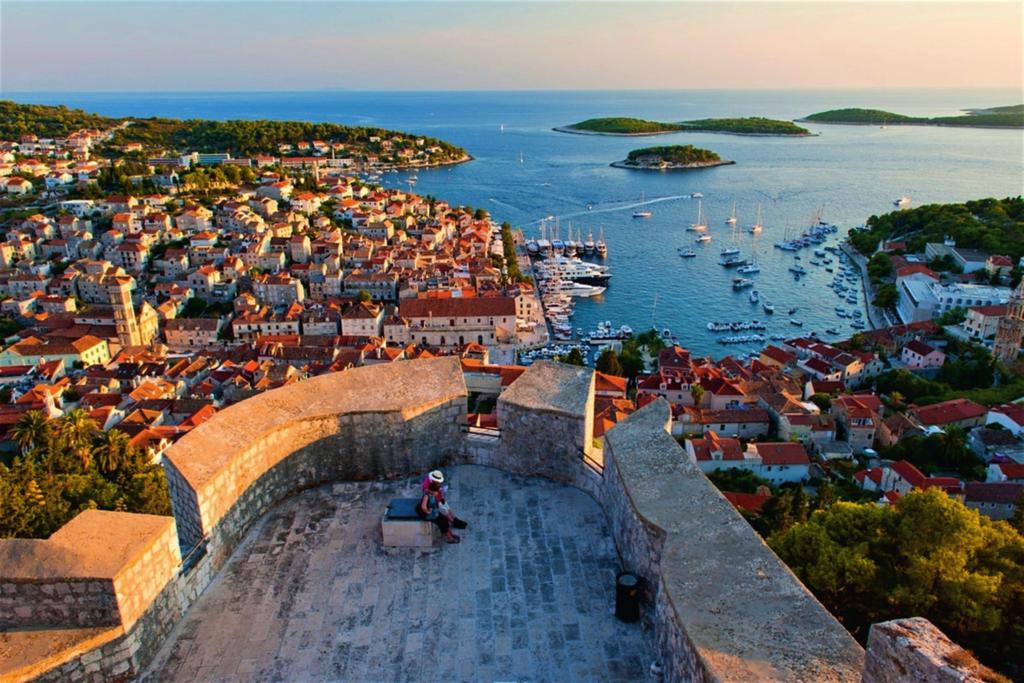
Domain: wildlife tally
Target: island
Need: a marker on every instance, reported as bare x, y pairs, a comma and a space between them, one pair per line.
355, 147
671, 158
995, 117
753, 125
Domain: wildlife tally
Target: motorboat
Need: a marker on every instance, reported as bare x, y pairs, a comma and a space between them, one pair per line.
742, 283
703, 239
688, 253
754, 296
749, 268
729, 251
768, 307
901, 202
794, 321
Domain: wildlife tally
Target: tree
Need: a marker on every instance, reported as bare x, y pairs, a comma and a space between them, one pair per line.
76, 430
113, 451
886, 295
31, 430
953, 316
574, 357
823, 401
879, 266
927, 555
608, 363
697, 393
364, 296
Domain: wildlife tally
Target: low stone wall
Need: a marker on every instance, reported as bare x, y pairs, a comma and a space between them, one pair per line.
100, 569
725, 607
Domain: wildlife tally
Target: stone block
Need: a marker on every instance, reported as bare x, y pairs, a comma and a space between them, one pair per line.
407, 533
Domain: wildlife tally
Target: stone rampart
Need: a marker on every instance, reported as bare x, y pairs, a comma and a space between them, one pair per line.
914, 650
725, 607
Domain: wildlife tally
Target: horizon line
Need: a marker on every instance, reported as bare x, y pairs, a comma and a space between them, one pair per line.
211, 91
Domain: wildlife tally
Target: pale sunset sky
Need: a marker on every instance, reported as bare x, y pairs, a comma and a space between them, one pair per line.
124, 46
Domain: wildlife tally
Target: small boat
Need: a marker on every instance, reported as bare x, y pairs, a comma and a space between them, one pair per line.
857, 325
642, 213
729, 251
832, 330
901, 202
703, 239
794, 321
792, 310
688, 253
742, 283
701, 225
749, 268
731, 220
696, 195
768, 307
798, 270
754, 296
602, 248
756, 228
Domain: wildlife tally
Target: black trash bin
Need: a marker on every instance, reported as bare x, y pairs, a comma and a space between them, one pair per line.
627, 597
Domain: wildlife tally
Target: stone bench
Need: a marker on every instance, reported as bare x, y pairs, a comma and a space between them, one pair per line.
401, 527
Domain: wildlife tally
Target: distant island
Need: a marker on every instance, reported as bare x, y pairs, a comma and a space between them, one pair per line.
754, 125
995, 117
671, 157
369, 146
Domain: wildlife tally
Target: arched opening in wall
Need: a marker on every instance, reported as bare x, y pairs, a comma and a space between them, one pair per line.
462, 341
480, 339
442, 340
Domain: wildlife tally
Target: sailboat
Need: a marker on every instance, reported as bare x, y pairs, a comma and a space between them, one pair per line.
602, 248
731, 220
642, 213
752, 266
588, 246
520, 158
701, 225
757, 227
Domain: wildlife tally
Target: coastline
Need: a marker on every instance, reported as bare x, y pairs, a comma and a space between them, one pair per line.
575, 131
672, 167
906, 123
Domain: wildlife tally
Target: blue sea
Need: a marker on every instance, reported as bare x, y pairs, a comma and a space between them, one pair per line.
523, 171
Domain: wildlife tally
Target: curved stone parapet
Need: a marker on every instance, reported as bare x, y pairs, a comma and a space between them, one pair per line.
726, 608
376, 421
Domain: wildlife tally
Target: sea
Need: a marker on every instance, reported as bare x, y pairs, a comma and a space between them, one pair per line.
523, 172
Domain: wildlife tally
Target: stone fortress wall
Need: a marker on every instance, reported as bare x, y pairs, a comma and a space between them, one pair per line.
97, 599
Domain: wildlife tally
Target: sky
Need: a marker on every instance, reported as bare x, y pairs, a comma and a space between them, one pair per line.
426, 45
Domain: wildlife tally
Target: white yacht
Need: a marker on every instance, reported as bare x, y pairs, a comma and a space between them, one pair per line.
749, 268
757, 227
602, 248
588, 246
642, 213
703, 239
754, 296
901, 202
729, 251
731, 220
701, 225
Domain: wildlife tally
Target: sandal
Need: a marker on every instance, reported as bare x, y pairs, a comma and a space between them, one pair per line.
453, 539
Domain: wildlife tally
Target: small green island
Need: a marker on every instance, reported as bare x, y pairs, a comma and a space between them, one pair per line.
753, 125
671, 158
1011, 116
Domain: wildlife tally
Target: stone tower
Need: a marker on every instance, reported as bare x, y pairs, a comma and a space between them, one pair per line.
119, 293
1011, 327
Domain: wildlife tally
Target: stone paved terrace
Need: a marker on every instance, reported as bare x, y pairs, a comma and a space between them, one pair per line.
311, 595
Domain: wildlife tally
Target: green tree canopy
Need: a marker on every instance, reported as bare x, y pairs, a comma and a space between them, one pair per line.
928, 555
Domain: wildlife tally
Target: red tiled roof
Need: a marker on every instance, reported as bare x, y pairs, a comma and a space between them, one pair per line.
1012, 470
751, 502
1014, 411
989, 492
948, 412
457, 307
782, 454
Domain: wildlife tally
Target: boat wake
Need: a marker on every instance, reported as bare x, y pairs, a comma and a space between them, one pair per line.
612, 209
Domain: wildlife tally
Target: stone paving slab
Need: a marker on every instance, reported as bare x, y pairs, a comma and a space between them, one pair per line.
312, 596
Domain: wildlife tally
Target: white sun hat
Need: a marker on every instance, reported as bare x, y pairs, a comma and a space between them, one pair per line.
437, 476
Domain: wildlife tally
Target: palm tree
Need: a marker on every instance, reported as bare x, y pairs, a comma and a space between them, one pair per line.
113, 451
31, 430
697, 393
76, 431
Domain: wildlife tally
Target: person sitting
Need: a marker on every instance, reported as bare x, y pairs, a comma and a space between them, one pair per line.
434, 508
